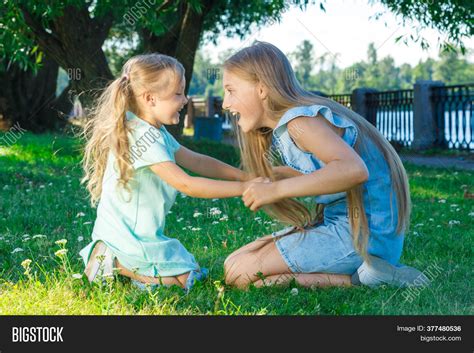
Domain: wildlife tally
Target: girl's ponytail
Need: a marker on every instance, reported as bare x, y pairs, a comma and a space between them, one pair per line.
107, 131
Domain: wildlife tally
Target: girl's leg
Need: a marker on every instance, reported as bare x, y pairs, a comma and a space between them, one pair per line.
262, 259
310, 280
179, 280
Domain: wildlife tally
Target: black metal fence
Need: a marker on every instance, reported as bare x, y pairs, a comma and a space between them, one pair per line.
344, 99
429, 115
393, 113
453, 112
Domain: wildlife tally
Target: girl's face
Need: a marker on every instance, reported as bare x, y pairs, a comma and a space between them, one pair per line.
246, 99
164, 108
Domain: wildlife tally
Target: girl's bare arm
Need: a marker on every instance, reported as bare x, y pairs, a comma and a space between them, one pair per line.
198, 186
343, 168
283, 172
207, 166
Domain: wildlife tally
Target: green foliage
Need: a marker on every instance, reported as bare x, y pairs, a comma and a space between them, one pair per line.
452, 18
381, 74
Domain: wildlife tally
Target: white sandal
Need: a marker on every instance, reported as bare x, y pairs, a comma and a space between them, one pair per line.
380, 272
101, 262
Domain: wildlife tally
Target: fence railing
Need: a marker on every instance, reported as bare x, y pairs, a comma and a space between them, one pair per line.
428, 115
344, 99
453, 107
394, 114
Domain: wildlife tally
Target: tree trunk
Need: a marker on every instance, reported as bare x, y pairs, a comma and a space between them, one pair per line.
29, 99
75, 43
181, 41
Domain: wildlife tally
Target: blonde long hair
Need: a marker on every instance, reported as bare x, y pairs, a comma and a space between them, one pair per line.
107, 131
265, 63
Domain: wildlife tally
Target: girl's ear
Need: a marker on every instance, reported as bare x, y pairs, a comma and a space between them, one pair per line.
262, 91
149, 99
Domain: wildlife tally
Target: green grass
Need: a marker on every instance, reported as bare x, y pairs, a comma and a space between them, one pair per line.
40, 193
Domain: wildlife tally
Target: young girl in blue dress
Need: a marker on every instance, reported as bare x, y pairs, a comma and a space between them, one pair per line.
328, 153
131, 170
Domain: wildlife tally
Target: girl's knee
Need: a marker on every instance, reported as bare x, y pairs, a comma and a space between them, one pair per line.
236, 272
183, 278
230, 264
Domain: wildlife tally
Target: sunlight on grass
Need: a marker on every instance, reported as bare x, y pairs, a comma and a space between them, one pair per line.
421, 191
45, 202
6, 151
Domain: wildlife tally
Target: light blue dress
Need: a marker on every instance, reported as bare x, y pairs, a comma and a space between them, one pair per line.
132, 224
327, 247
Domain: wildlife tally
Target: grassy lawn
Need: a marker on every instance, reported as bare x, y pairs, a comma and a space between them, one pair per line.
42, 201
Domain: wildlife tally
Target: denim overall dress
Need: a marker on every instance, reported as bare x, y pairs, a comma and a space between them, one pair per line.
327, 247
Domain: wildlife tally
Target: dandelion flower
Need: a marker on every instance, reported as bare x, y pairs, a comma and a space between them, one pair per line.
61, 242
214, 211
26, 263
61, 253
294, 291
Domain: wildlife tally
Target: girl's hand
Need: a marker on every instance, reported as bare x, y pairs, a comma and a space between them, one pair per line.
258, 194
255, 180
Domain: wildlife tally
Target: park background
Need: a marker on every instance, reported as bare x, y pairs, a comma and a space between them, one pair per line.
404, 65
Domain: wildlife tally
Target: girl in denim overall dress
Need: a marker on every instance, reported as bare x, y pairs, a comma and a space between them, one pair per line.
351, 227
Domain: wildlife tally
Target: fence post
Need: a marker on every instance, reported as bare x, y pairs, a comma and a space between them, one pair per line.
210, 111
189, 119
360, 104
424, 115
